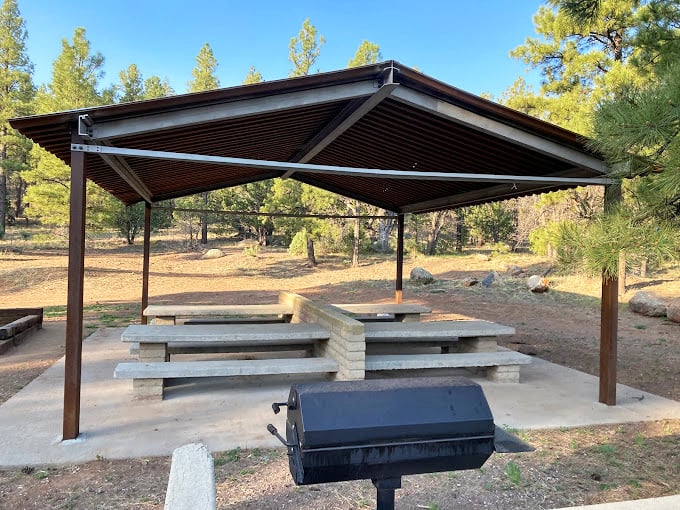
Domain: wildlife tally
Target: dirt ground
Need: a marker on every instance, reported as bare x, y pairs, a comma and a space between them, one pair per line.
569, 466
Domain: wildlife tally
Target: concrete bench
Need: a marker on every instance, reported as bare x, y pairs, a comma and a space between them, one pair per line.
223, 368
383, 312
461, 344
158, 342
14, 332
168, 314
460, 336
222, 337
148, 377
501, 366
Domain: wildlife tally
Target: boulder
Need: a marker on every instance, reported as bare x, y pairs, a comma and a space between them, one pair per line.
470, 281
482, 256
214, 253
420, 276
538, 284
673, 311
492, 279
648, 303
514, 270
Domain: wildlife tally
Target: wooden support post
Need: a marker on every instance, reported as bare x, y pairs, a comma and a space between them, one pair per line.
74, 303
398, 295
145, 265
608, 340
609, 316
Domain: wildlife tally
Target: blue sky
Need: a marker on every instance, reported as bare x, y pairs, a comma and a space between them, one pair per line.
463, 43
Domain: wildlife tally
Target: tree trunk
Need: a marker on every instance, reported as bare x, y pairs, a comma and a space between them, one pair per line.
437, 221
204, 220
311, 259
262, 235
643, 268
385, 226
3, 188
459, 234
622, 274
19, 190
355, 248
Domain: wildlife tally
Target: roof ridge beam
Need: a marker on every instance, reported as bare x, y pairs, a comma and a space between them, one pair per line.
111, 129
499, 129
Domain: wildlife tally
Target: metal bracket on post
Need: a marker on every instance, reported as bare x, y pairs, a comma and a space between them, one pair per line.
85, 125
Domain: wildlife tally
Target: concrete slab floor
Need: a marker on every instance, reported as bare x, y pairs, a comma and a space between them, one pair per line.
229, 413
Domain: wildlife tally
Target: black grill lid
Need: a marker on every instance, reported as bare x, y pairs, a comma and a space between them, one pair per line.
346, 413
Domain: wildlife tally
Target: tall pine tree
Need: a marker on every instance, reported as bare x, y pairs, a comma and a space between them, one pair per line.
75, 79
16, 96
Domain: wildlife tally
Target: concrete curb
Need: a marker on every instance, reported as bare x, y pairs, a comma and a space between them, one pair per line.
665, 503
191, 485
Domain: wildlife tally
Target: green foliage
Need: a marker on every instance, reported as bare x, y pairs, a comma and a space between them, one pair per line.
253, 76
16, 96
298, 245
75, 77
367, 53
513, 472
490, 222
304, 49
155, 87
131, 84
204, 72
551, 236
582, 59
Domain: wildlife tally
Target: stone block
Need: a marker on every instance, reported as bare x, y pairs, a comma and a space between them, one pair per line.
504, 374
147, 389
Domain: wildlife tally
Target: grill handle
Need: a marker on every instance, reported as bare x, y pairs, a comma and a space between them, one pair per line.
276, 407
272, 430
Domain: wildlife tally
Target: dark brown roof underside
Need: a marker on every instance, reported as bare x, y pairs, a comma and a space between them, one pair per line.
393, 136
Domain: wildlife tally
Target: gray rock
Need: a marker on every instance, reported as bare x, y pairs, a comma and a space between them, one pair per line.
493, 278
673, 311
483, 256
421, 276
538, 284
514, 270
214, 253
648, 303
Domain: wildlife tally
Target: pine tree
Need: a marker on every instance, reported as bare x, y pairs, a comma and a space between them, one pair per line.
16, 95
75, 78
204, 79
204, 72
638, 129
367, 53
304, 49
253, 76
154, 87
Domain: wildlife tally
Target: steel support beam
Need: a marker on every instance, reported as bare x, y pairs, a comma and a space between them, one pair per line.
498, 129
120, 166
145, 264
74, 300
100, 129
399, 284
337, 170
345, 120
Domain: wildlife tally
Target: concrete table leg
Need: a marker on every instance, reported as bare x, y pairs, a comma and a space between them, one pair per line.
145, 389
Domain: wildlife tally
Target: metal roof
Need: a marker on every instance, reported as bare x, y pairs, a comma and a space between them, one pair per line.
384, 134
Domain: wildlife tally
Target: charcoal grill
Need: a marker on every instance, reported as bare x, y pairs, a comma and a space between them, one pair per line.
383, 429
